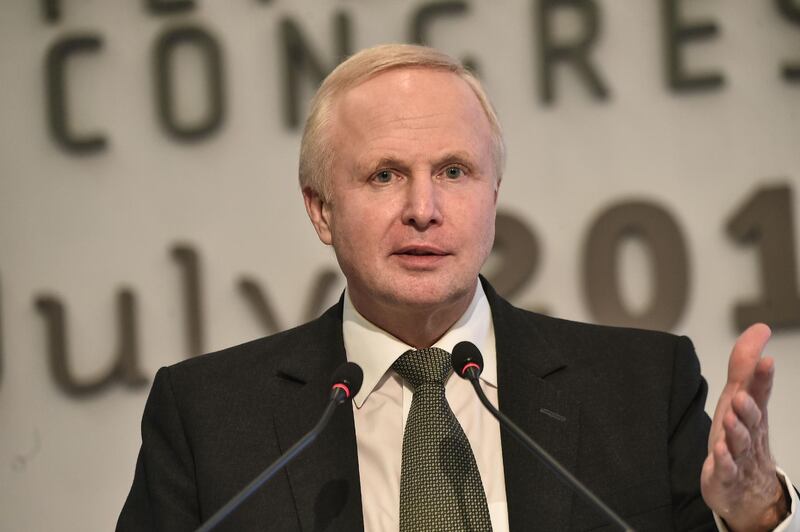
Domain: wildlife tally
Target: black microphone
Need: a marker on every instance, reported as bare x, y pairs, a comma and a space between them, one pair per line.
347, 381
468, 364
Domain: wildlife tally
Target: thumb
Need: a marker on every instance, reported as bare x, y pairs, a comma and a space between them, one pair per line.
746, 354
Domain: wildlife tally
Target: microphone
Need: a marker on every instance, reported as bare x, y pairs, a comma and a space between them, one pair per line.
347, 381
468, 364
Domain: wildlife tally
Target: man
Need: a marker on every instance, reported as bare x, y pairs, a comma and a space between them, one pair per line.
400, 166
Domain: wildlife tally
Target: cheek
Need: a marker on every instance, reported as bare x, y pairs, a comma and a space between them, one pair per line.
485, 218
488, 238
355, 239
484, 235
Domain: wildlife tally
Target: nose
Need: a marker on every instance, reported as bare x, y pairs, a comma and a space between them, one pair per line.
422, 207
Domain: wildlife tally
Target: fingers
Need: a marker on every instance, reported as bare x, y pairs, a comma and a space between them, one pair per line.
739, 425
737, 436
744, 429
761, 385
725, 469
746, 409
746, 353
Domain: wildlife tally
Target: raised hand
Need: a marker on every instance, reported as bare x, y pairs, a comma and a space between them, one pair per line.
739, 481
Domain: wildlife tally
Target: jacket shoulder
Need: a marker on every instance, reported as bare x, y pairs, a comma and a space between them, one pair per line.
581, 342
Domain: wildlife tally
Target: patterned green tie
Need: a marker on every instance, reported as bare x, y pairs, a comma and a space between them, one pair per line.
440, 487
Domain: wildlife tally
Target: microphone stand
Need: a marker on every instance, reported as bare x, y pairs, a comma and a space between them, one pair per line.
545, 457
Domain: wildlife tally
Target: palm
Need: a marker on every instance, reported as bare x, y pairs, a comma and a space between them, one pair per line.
738, 479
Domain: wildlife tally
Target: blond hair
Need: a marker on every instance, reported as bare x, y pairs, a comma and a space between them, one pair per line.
316, 152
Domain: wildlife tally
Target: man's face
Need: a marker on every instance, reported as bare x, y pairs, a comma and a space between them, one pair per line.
412, 198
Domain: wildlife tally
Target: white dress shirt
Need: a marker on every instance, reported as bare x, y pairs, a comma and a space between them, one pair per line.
380, 410
381, 407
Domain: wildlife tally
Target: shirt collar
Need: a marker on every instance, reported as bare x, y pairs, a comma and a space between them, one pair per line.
375, 350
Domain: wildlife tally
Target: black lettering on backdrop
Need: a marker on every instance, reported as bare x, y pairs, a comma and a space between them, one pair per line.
57, 94
165, 82
576, 54
124, 369
518, 254
261, 304
300, 59
426, 14
655, 228
676, 35
161, 7
51, 10
188, 261
791, 11
766, 219
326, 280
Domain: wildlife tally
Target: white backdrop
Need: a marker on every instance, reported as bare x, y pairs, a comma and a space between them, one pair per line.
82, 227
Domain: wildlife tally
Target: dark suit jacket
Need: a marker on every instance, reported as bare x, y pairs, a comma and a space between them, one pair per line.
620, 408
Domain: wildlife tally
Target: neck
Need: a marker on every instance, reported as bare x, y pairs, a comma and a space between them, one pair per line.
419, 327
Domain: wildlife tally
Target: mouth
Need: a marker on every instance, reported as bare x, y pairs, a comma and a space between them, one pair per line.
421, 251
421, 258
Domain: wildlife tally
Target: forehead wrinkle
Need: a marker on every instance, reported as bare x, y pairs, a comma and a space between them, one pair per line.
398, 124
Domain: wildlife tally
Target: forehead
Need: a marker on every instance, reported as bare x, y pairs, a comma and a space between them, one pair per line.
411, 107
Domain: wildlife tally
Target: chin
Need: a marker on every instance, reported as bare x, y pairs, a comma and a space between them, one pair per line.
432, 294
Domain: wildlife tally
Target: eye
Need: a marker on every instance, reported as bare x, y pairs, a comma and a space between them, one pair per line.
453, 172
383, 176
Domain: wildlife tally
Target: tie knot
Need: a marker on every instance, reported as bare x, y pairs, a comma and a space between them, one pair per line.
423, 366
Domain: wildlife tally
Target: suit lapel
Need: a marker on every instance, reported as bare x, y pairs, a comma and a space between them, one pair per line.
324, 478
527, 368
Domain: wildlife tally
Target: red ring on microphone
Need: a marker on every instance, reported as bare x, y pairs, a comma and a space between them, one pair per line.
470, 365
344, 387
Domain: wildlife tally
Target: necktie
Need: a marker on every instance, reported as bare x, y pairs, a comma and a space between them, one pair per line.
440, 487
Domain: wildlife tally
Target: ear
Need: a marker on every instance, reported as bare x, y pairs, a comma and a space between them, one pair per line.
319, 212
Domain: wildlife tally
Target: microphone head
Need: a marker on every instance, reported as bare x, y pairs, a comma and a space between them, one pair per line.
466, 356
348, 377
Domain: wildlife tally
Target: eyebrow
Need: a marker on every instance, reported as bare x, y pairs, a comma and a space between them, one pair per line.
384, 162
458, 156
